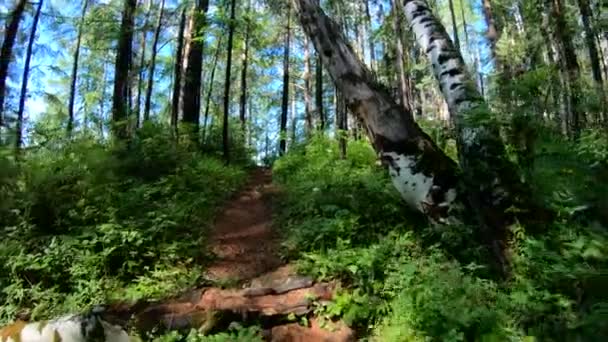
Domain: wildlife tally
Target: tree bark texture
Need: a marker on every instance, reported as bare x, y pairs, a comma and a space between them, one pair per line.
152, 68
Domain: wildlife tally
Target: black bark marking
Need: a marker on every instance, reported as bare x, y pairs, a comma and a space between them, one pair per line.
451, 72
455, 85
430, 48
425, 20
444, 57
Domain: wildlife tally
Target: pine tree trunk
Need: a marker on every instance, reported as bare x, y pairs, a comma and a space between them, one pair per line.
142, 62
464, 25
121, 72
225, 132
153, 62
493, 32
596, 68
319, 92
177, 78
245, 61
294, 115
404, 89
210, 88
307, 88
285, 100
25, 78
372, 48
74, 77
6, 53
568, 64
191, 104
454, 25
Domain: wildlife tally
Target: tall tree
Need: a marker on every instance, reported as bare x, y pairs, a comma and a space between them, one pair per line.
142, 62
493, 29
225, 132
596, 68
75, 69
404, 89
307, 87
153, 61
319, 92
372, 47
454, 24
121, 70
177, 71
568, 63
191, 104
25, 78
285, 100
245, 61
6, 53
210, 87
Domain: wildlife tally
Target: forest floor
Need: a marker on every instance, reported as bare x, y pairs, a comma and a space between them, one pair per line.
252, 284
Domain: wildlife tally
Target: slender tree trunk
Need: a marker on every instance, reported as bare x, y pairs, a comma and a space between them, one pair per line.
177, 78
596, 68
319, 92
245, 61
75, 70
307, 88
285, 101
493, 32
294, 115
225, 136
210, 87
454, 25
464, 25
121, 72
341, 123
404, 89
569, 65
191, 104
24, 80
6, 53
153, 62
372, 48
142, 62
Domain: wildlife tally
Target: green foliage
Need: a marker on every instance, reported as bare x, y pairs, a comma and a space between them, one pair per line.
403, 281
240, 334
88, 223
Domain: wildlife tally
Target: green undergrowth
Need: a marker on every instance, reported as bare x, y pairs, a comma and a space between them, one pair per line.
402, 280
84, 222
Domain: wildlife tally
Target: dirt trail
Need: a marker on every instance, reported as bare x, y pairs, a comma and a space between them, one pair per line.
247, 254
242, 238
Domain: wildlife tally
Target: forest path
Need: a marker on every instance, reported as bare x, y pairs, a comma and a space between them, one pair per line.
269, 291
242, 237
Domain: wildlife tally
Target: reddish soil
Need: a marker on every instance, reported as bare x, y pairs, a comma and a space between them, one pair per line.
242, 238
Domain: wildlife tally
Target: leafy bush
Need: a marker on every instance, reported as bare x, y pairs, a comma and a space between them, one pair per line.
88, 222
403, 280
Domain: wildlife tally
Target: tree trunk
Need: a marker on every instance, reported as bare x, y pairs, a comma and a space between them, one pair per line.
6, 54
24, 80
294, 115
285, 100
341, 123
245, 61
177, 78
372, 48
423, 174
191, 104
142, 62
454, 25
404, 88
493, 184
121, 72
568, 64
464, 25
319, 92
210, 87
75, 71
153, 62
493, 32
225, 136
596, 68
307, 88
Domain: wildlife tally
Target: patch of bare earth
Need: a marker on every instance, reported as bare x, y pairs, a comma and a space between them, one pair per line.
247, 252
